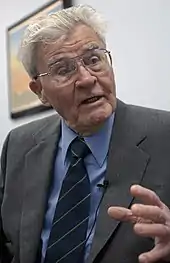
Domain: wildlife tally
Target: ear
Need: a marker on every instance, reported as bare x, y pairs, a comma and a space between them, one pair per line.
36, 87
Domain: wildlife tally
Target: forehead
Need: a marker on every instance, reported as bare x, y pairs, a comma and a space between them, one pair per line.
76, 42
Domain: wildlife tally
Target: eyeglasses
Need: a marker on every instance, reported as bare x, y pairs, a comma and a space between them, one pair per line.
95, 61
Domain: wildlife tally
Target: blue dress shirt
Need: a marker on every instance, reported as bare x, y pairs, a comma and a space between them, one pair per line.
96, 167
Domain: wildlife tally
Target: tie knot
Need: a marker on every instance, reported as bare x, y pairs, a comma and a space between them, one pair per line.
79, 148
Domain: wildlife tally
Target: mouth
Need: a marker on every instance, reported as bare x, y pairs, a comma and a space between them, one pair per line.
91, 99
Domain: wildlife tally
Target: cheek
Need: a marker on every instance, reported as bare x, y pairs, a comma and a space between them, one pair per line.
62, 99
107, 82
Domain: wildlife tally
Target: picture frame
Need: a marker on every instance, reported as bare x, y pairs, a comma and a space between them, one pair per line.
23, 102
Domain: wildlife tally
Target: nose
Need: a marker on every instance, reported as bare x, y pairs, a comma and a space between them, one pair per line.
85, 79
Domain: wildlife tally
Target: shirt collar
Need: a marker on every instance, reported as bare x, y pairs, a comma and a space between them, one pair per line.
102, 137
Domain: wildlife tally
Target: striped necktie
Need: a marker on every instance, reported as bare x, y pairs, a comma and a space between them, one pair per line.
69, 229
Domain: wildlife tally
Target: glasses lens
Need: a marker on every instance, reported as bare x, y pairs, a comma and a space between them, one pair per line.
97, 60
63, 69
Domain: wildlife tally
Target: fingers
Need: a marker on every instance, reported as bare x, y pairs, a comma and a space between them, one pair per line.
143, 220
124, 215
120, 213
152, 230
153, 213
157, 253
138, 214
145, 195
151, 219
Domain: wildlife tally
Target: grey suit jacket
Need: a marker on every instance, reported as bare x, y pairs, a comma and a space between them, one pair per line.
139, 154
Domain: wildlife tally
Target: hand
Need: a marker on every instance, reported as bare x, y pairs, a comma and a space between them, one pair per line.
150, 219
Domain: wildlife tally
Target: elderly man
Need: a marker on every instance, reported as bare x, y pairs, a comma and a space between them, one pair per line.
91, 183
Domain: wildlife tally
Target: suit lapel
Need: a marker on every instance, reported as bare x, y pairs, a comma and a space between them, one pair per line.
38, 171
126, 166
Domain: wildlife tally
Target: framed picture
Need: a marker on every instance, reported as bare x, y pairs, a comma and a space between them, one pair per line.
23, 102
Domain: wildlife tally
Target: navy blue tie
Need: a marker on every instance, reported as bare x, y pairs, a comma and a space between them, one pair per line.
69, 229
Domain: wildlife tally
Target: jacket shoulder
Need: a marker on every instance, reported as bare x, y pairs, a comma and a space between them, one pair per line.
148, 117
35, 127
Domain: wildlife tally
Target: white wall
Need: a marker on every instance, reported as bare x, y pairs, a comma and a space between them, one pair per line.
138, 36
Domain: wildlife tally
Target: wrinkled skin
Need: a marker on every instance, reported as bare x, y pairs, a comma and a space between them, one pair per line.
150, 219
68, 99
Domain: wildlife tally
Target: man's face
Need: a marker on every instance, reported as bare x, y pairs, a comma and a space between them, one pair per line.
88, 97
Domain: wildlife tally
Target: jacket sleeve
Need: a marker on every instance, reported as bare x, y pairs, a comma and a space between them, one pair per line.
5, 256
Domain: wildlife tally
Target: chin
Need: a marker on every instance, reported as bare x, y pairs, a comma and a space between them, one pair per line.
88, 123
99, 119
96, 120
101, 115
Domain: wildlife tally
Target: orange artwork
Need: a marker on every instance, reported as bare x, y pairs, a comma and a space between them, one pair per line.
22, 101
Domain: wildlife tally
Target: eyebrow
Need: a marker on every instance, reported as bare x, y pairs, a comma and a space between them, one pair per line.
91, 46
54, 61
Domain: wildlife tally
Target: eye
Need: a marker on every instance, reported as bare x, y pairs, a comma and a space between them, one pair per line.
62, 69
94, 59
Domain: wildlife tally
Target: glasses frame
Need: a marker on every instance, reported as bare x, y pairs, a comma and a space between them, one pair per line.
80, 59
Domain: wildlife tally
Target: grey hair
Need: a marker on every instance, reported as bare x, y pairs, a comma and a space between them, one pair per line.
53, 26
